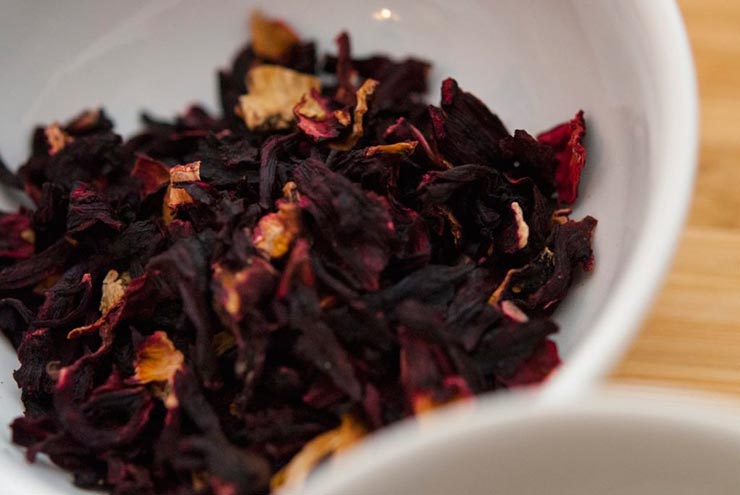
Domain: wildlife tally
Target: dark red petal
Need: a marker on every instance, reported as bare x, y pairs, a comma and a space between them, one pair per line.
567, 141
320, 127
153, 174
463, 115
16, 236
537, 368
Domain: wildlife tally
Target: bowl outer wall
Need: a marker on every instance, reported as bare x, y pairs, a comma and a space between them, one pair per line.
618, 440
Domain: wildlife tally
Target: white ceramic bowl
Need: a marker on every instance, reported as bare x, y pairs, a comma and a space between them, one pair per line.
535, 62
618, 442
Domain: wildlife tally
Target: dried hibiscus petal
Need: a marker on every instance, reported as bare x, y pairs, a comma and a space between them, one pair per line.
345, 73
271, 39
535, 369
353, 226
221, 303
318, 450
542, 284
519, 229
176, 196
363, 95
403, 148
567, 141
317, 119
157, 360
402, 82
275, 231
88, 122
56, 138
273, 92
153, 174
460, 116
87, 209
114, 287
37, 268
17, 238
99, 416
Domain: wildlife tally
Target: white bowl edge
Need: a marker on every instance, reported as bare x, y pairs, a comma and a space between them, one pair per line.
599, 352
610, 405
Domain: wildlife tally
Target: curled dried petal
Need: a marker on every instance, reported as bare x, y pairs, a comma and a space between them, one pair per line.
506, 283
363, 96
290, 192
522, 229
157, 359
87, 209
403, 129
464, 129
297, 268
317, 120
153, 174
114, 286
455, 387
236, 291
56, 138
512, 311
17, 237
87, 120
227, 294
275, 231
405, 148
540, 285
190, 172
346, 75
567, 141
271, 39
561, 216
175, 196
273, 92
271, 236
105, 325
223, 342
335, 441
537, 368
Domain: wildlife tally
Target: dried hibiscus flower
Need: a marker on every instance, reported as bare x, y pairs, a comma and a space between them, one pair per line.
221, 303
567, 142
271, 39
273, 92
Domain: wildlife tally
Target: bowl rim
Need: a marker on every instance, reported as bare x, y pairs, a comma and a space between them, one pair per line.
613, 405
618, 323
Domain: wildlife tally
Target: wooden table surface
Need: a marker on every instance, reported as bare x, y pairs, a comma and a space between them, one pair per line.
692, 337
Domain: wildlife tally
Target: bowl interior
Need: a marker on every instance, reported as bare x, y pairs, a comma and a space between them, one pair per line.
623, 441
535, 62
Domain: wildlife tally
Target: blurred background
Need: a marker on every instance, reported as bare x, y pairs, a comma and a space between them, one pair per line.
692, 337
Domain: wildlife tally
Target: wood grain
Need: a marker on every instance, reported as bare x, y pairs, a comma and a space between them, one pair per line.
692, 336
